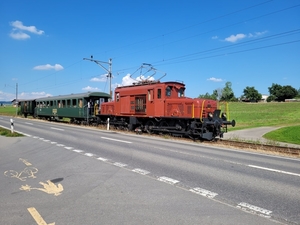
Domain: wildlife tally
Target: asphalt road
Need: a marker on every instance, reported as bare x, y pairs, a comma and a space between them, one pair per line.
72, 175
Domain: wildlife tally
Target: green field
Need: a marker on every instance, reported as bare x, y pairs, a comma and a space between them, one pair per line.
278, 114
250, 115
8, 110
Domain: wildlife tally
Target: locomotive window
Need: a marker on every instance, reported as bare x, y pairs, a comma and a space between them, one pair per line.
168, 91
158, 93
181, 92
117, 97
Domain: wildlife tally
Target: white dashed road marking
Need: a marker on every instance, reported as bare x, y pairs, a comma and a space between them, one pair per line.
111, 139
140, 171
119, 164
254, 209
54, 128
203, 192
168, 180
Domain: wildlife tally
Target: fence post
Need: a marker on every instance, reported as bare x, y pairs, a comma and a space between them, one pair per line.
107, 123
12, 125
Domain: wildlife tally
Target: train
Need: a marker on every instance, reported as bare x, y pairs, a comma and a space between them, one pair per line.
149, 106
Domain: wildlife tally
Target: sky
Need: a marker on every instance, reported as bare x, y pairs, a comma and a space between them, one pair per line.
204, 44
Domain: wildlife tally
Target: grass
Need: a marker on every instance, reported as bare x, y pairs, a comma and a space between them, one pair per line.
250, 115
285, 134
8, 110
7, 133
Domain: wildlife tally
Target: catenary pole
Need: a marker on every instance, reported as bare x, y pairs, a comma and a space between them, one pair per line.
109, 73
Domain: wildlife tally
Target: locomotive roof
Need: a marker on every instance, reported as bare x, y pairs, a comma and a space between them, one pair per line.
146, 83
72, 96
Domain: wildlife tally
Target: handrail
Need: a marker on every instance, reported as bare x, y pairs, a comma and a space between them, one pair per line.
201, 114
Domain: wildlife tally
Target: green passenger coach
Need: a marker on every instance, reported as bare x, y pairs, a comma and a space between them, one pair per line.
77, 107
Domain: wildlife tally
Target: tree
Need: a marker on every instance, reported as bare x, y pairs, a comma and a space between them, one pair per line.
227, 93
282, 92
208, 96
252, 94
221, 94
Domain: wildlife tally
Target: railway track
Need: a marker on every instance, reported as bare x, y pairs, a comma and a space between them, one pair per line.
266, 148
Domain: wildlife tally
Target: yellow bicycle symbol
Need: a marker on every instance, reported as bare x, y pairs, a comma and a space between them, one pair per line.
28, 172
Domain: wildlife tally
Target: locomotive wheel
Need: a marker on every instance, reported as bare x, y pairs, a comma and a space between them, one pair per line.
149, 125
163, 123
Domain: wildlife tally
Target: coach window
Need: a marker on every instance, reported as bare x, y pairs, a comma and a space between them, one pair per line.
68, 103
168, 91
80, 103
74, 103
63, 103
158, 93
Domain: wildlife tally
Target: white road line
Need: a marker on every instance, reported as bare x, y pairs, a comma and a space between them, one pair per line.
102, 159
28, 123
89, 154
60, 145
53, 142
111, 139
69, 148
78, 151
140, 171
203, 192
120, 164
274, 170
168, 180
54, 128
255, 209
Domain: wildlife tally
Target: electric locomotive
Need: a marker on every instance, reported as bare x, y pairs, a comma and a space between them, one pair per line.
162, 107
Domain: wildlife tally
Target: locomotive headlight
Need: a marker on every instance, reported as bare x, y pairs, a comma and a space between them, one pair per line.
210, 115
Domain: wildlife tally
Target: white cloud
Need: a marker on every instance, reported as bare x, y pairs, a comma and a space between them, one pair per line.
19, 30
215, 79
49, 67
102, 78
215, 37
19, 35
88, 88
127, 80
234, 38
256, 34
23, 95
33, 95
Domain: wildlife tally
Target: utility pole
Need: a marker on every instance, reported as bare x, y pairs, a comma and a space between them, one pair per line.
109, 73
17, 103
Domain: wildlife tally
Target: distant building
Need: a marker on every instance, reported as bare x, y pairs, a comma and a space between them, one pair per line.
264, 98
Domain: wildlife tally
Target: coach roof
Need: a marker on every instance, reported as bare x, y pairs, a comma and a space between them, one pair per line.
76, 96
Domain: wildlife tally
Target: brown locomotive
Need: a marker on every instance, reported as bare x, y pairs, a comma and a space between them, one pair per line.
161, 107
